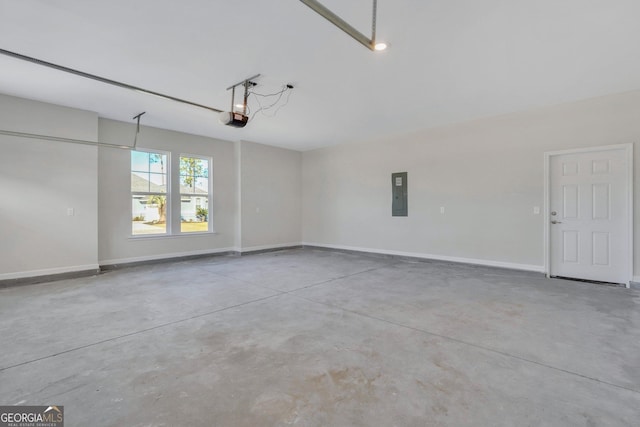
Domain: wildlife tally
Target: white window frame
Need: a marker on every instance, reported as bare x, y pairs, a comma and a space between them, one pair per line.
209, 203
168, 210
173, 226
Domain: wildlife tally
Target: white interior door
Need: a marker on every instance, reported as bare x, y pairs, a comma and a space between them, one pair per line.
590, 228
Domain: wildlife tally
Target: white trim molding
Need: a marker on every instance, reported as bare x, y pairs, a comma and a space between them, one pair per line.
49, 271
165, 256
204, 252
268, 247
474, 261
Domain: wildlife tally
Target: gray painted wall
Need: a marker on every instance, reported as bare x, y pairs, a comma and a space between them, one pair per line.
487, 174
39, 180
271, 196
116, 244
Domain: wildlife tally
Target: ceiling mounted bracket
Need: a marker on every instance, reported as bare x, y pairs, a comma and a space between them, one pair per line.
246, 83
320, 9
135, 140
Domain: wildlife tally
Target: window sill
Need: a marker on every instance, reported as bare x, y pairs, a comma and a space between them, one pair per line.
171, 236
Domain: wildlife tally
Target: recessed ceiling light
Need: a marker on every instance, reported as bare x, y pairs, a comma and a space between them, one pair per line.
380, 46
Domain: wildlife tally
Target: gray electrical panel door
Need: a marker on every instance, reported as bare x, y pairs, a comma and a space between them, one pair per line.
399, 206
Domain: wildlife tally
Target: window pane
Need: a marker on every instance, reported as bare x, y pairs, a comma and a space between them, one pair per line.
194, 189
205, 169
139, 161
194, 213
148, 172
187, 187
202, 186
192, 171
157, 183
139, 182
157, 162
149, 214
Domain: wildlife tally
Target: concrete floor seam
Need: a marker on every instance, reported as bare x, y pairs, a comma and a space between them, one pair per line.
466, 343
296, 289
245, 281
332, 280
136, 332
235, 278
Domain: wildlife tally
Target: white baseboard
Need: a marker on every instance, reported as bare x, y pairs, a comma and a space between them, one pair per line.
195, 253
267, 247
488, 263
48, 271
166, 256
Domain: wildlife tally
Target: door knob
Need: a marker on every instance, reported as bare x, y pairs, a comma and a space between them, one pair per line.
556, 222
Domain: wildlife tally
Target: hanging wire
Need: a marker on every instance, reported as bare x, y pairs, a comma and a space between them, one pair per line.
263, 108
265, 95
285, 103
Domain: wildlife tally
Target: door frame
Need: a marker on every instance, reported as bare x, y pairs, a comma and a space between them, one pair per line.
547, 200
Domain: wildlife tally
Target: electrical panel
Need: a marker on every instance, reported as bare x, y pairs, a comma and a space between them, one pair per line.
399, 205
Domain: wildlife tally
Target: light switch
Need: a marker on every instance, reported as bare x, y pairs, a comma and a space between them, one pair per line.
70, 212
441, 209
536, 210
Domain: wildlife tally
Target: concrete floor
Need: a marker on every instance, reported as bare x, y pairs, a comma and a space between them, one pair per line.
317, 338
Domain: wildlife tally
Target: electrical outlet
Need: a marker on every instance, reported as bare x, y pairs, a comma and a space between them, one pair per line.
70, 212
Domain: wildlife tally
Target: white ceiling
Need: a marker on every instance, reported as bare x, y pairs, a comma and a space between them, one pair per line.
449, 60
